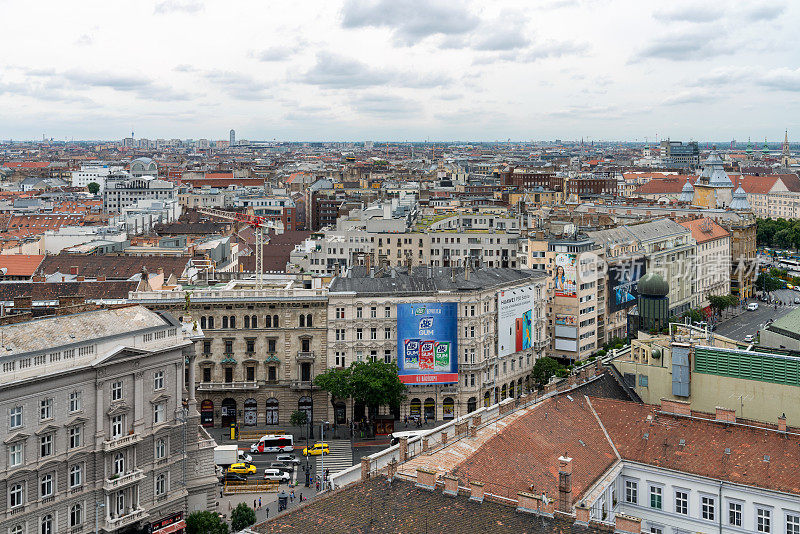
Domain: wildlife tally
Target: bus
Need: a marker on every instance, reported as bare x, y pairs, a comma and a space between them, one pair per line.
273, 443
395, 436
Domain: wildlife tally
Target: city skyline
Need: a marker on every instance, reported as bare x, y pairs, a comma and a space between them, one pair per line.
389, 71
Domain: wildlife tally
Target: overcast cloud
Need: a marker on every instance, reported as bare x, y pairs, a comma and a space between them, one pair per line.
401, 69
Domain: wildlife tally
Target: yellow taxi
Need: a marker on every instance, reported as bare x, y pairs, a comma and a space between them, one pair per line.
243, 468
316, 450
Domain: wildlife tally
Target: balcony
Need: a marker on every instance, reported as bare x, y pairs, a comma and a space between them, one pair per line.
112, 524
541, 344
124, 480
300, 385
227, 386
472, 366
124, 441
305, 356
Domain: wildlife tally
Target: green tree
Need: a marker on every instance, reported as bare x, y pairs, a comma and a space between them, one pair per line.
544, 369
695, 315
371, 383
205, 523
336, 381
93, 187
298, 418
242, 516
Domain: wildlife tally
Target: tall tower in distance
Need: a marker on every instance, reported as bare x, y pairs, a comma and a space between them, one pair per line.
785, 154
233, 137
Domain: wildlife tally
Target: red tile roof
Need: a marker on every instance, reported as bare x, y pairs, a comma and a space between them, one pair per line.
20, 264
757, 185
664, 186
705, 230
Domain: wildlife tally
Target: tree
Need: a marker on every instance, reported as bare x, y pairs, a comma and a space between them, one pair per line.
544, 369
371, 383
205, 523
695, 315
242, 517
93, 187
298, 418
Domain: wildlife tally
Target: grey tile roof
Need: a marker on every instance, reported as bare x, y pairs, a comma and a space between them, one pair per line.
656, 229
428, 280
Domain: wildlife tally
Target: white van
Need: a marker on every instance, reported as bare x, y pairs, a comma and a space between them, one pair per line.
752, 306
282, 477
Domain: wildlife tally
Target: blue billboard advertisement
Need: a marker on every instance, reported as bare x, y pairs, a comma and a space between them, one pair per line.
427, 351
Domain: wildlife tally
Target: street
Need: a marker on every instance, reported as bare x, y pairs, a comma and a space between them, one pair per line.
750, 322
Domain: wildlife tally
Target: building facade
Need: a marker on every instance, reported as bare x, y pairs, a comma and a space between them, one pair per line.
100, 422
120, 195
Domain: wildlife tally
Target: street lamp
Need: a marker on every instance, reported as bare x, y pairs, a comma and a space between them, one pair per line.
97, 506
322, 456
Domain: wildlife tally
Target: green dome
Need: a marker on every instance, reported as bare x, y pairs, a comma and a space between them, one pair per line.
653, 285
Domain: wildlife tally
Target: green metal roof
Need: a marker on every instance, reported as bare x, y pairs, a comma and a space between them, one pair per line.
788, 325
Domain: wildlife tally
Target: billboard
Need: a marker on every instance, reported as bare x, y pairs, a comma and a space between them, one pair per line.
427, 351
565, 275
622, 281
515, 319
566, 320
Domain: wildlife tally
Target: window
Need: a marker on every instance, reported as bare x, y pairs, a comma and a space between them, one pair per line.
158, 380
75, 401
15, 454
359, 312
228, 346
272, 374
161, 448
656, 530
763, 520
17, 530
116, 426
387, 356
120, 502
119, 463
359, 333
15, 417
206, 374
631, 492
46, 485
707, 505
340, 334
75, 476
735, 514
116, 391
340, 313
75, 515
46, 445
251, 345
387, 311
373, 333
655, 497
159, 413
681, 502
373, 312
15, 495
251, 373
45, 409
161, 484
47, 524
792, 524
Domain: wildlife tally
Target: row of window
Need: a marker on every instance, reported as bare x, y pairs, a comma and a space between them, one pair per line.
708, 508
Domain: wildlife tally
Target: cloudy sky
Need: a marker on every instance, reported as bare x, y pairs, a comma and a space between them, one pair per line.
400, 69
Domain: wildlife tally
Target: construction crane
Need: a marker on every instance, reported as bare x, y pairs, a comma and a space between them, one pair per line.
259, 224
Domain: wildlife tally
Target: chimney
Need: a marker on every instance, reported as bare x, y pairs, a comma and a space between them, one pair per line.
426, 479
450, 485
404, 449
73, 270
364, 468
392, 467
475, 491
582, 514
627, 524
101, 278
676, 407
565, 484
782, 423
79, 278
725, 415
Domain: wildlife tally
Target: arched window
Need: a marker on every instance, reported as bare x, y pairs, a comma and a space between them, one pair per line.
233, 321
268, 321
274, 321
15, 495
472, 404
119, 463
302, 320
203, 322
17, 530
75, 515
247, 321
47, 524
415, 408
211, 322
254, 321
224, 321
309, 321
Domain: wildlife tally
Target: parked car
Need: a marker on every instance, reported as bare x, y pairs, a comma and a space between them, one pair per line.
233, 477
749, 337
797, 300
288, 459
316, 450
280, 466
242, 468
244, 457
276, 474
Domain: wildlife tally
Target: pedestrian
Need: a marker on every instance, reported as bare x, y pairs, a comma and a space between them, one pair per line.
327, 473
291, 496
259, 503
267, 509
254, 505
317, 485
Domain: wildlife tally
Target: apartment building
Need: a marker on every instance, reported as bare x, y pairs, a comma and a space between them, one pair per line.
261, 351
128, 193
100, 424
366, 312
712, 261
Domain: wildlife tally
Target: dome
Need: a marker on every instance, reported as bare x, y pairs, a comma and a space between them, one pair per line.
143, 167
687, 193
653, 285
740, 202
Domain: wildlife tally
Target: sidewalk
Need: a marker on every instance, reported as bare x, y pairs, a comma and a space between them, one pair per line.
269, 501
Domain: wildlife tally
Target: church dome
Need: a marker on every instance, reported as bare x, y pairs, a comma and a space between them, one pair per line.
653, 285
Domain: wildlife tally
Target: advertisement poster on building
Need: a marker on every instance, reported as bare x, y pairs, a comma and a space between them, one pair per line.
564, 275
566, 320
623, 278
427, 351
515, 318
